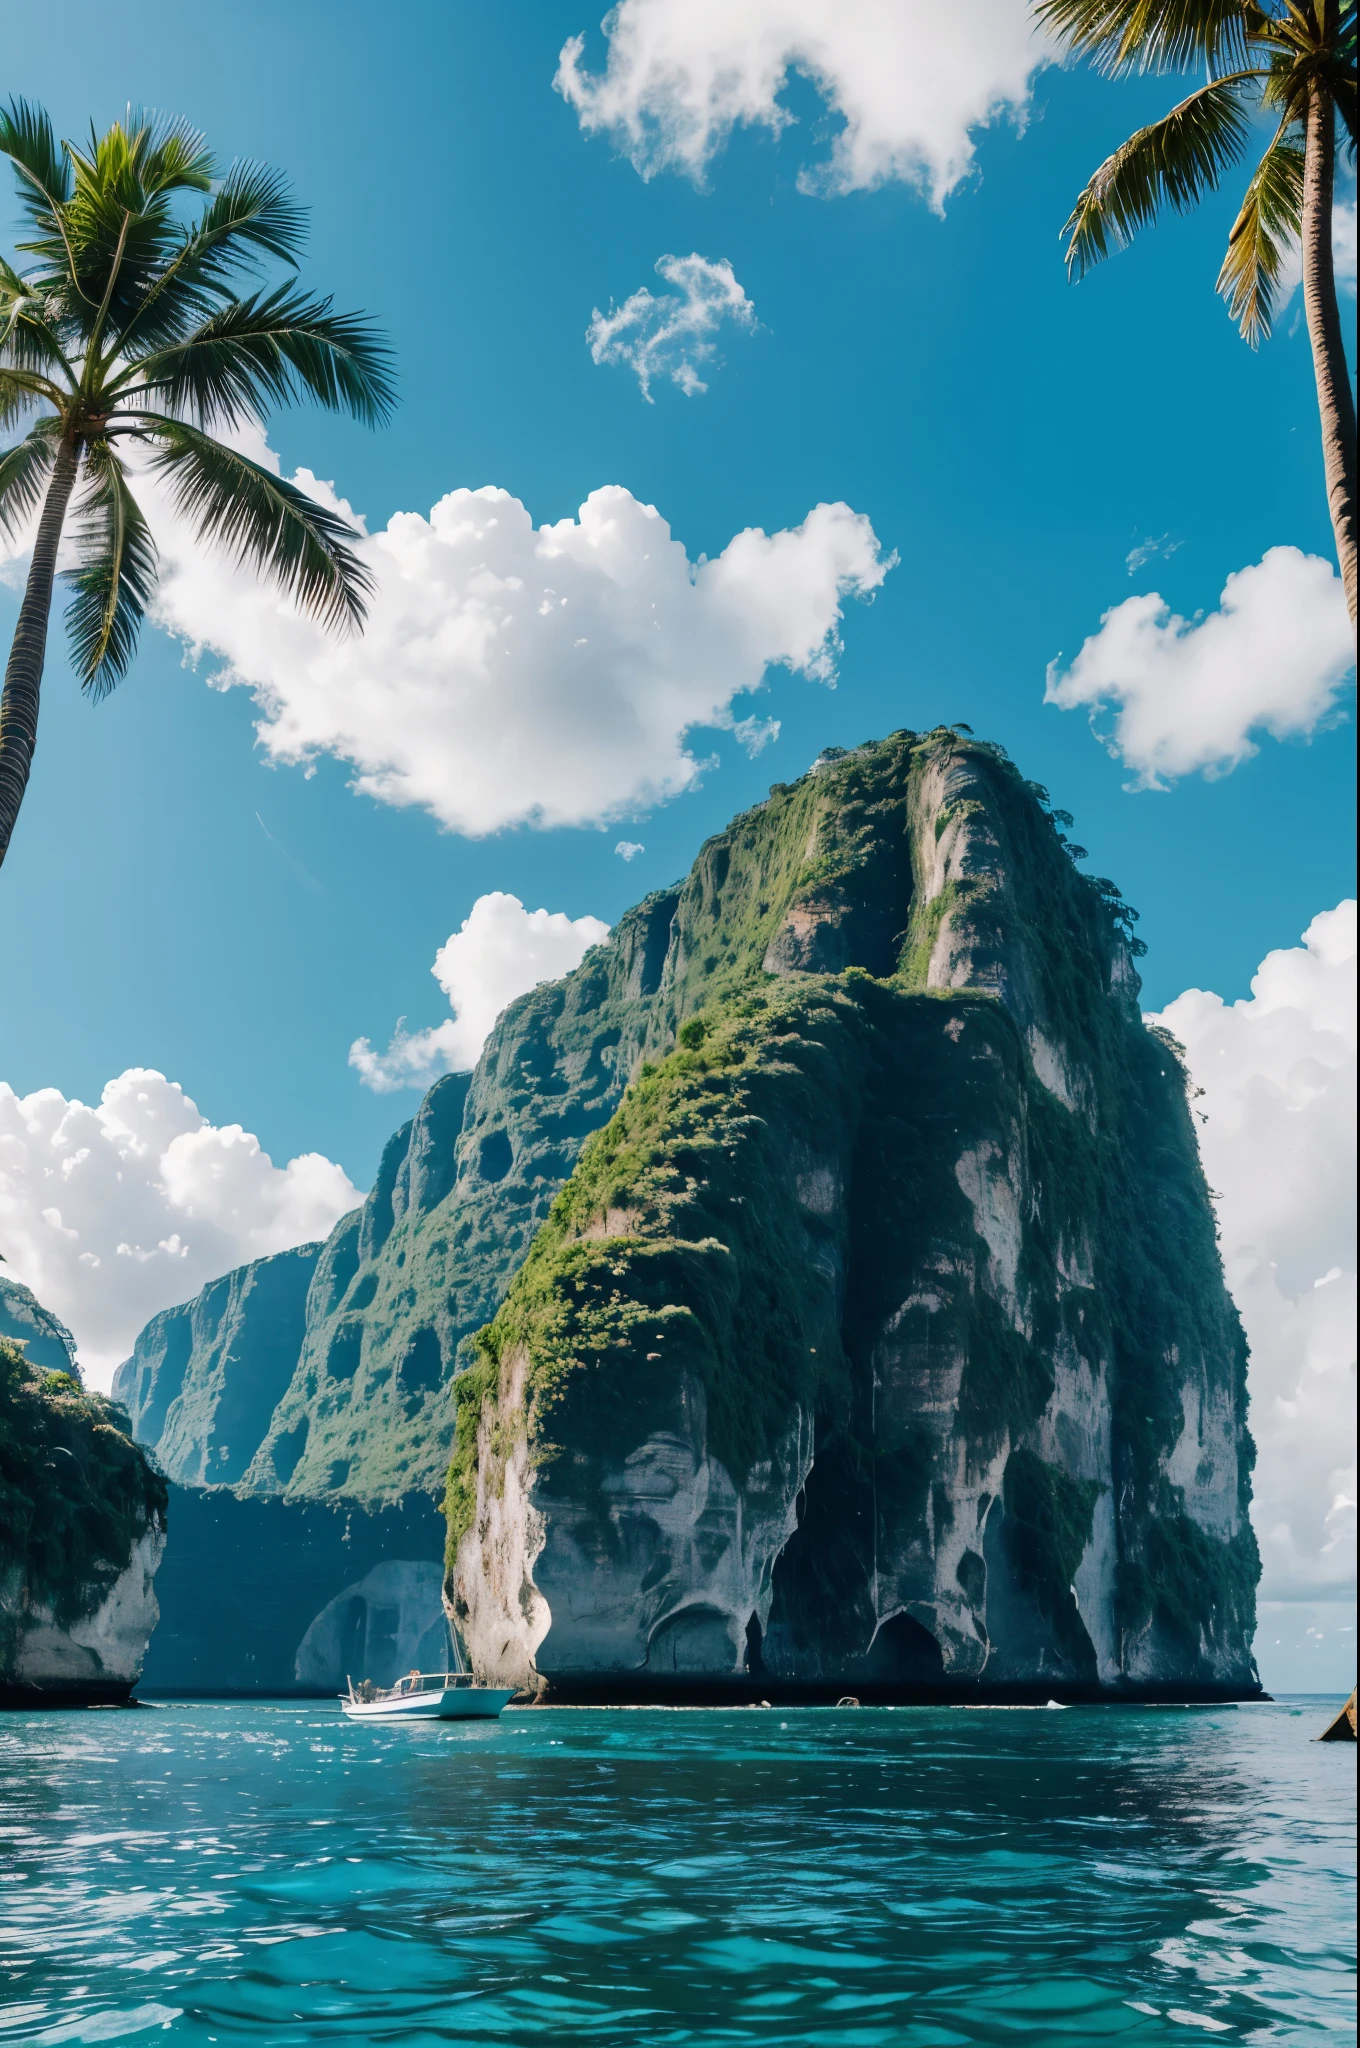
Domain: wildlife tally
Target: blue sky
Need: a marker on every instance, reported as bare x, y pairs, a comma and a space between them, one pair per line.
172, 901
1011, 437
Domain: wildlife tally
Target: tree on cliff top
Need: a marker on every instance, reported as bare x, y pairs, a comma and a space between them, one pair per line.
127, 332
1294, 62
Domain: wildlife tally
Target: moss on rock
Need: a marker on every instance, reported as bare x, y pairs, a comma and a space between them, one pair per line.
76, 1493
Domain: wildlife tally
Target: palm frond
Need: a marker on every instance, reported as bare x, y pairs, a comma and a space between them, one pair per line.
44, 181
1271, 218
266, 350
251, 215
24, 470
120, 225
114, 576
264, 520
16, 397
174, 156
1149, 35
22, 330
27, 342
20, 392
253, 211
141, 159
1173, 162
42, 168
1344, 98
1285, 84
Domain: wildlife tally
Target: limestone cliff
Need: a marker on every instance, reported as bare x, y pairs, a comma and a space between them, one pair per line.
361, 1386
880, 1340
82, 1528
204, 1378
403, 1283
43, 1338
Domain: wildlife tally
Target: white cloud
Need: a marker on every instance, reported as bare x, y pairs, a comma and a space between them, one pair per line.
1188, 693
755, 734
1278, 1071
672, 335
512, 674
500, 950
629, 849
1148, 550
110, 1213
911, 79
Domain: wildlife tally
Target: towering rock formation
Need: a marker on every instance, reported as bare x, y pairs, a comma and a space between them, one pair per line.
876, 1338
82, 1528
880, 1341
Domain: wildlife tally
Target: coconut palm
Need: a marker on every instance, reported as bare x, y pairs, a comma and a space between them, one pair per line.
1290, 60
128, 345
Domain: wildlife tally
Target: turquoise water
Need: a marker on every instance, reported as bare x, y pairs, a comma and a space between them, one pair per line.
923, 1877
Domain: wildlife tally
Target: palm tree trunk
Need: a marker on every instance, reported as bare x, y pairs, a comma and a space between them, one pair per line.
23, 673
1335, 403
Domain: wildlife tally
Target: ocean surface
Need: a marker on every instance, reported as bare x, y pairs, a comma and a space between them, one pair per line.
922, 1877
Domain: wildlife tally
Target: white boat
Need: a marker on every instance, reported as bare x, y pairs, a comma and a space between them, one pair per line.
426, 1696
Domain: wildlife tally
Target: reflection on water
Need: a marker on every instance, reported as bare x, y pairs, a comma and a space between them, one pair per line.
918, 1878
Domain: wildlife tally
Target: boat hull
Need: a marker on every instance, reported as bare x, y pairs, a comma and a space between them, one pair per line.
455, 1703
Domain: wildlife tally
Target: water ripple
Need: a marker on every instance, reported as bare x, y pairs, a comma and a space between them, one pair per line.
919, 1878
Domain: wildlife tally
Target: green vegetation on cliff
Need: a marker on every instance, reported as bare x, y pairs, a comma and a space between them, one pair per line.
75, 1492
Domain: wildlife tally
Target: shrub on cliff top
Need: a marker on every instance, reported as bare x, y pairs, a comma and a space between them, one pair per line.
75, 1492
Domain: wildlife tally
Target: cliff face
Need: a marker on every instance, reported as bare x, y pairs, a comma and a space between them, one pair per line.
44, 1340
82, 1528
204, 1379
323, 1376
262, 1595
880, 1340
362, 1411
403, 1283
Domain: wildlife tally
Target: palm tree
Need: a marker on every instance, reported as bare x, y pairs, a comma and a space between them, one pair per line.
1292, 60
126, 333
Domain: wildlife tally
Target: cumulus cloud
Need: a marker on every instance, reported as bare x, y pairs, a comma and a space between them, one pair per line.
1278, 1074
110, 1213
518, 674
671, 336
629, 849
1187, 694
500, 950
910, 79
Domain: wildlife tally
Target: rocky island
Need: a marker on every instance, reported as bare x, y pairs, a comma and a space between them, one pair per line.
880, 1341
82, 1528
817, 1290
